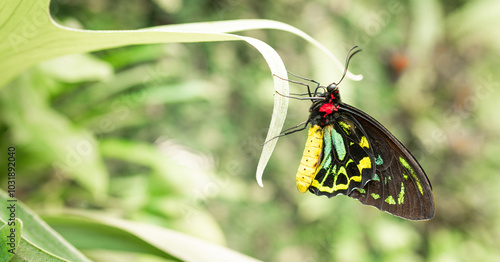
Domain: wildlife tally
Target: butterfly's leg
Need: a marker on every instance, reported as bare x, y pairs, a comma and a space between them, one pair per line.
310, 80
296, 82
290, 130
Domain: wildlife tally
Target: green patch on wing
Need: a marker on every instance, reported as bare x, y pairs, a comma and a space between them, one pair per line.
361, 190
401, 196
338, 142
390, 200
345, 126
413, 174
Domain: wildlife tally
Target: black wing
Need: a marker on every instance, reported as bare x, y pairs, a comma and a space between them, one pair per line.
400, 185
347, 161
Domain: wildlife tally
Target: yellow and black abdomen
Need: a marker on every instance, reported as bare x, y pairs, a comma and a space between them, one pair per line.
310, 158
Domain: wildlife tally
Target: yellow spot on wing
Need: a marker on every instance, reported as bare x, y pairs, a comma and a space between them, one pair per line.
345, 126
335, 187
336, 173
364, 163
364, 142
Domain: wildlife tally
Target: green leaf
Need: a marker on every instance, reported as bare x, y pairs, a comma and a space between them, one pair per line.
28, 251
38, 241
10, 232
32, 36
89, 231
76, 68
72, 151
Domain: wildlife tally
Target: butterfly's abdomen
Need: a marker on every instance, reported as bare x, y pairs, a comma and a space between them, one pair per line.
310, 158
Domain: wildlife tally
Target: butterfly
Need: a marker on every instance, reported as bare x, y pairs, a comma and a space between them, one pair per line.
348, 152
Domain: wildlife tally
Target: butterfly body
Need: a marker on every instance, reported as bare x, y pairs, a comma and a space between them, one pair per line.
310, 158
350, 153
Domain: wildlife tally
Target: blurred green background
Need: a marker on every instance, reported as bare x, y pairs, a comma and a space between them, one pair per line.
179, 126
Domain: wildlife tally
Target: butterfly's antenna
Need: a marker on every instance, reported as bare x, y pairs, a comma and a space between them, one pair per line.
348, 58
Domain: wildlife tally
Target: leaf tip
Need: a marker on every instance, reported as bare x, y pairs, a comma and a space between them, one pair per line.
259, 181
